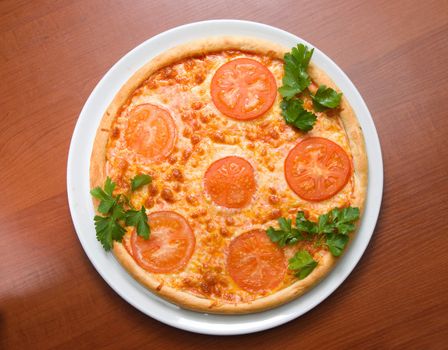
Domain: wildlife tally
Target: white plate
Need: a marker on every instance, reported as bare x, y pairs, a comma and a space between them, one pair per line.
82, 210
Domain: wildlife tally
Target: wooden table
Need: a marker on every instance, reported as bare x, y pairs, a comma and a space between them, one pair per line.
52, 53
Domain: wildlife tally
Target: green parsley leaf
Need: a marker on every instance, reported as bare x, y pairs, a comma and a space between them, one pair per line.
285, 224
296, 78
276, 236
286, 235
105, 206
301, 55
98, 193
303, 264
295, 115
342, 223
324, 225
107, 201
139, 181
331, 229
326, 98
344, 219
139, 220
110, 227
338, 221
108, 230
336, 243
109, 186
348, 214
118, 212
305, 225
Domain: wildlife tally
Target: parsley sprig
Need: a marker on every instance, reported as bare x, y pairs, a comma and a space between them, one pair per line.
139, 220
139, 181
107, 200
110, 226
295, 115
302, 263
295, 81
286, 234
109, 229
331, 230
296, 78
325, 98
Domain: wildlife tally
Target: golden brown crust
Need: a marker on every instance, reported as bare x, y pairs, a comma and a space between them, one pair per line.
190, 301
354, 135
98, 162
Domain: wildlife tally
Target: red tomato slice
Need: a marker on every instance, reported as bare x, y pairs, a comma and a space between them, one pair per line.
151, 131
170, 246
317, 169
230, 182
243, 89
255, 263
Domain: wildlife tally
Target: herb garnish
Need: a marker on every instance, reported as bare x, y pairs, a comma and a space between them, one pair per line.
111, 225
139, 220
295, 115
140, 180
326, 98
296, 78
295, 81
303, 263
330, 230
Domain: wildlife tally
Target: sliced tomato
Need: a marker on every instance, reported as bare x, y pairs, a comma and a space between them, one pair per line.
243, 89
230, 182
170, 246
317, 168
151, 131
255, 263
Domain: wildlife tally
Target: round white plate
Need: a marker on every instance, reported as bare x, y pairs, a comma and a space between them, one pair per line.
82, 210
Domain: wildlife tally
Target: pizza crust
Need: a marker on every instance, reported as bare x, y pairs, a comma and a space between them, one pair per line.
98, 173
354, 135
197, 303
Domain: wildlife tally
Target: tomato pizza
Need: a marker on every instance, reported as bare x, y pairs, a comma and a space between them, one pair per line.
228, 174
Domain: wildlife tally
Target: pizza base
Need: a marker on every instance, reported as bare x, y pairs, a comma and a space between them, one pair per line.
98, 173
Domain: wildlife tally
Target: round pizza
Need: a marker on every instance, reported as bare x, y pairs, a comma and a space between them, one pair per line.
228, 174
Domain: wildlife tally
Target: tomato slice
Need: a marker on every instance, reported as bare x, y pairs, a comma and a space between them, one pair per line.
255, 263
230, 182
317, 168
151, 131
170, 246
243, 89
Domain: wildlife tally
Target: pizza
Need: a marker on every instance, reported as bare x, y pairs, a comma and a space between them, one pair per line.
229, 174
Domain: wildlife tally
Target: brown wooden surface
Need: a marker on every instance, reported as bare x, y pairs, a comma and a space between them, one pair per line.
52, 53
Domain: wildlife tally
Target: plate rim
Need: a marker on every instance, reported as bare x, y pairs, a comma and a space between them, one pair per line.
221, 326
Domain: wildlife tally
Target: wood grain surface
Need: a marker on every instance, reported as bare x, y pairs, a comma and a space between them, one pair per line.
52, 54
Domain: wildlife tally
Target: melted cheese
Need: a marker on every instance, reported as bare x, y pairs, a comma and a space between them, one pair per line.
205, 135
